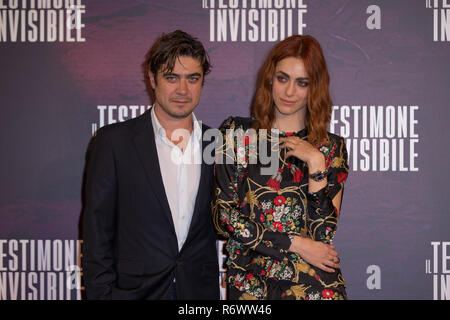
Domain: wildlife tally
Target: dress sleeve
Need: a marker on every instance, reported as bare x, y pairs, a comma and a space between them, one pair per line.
322, 216
229, 221
338, 169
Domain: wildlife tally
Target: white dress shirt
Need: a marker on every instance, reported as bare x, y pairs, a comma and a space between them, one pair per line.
180, 173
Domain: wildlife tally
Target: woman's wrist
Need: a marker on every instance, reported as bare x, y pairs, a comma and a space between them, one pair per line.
317, 172
296, 244
316, 162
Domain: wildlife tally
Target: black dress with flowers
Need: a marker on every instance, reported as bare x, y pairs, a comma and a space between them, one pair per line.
259, 213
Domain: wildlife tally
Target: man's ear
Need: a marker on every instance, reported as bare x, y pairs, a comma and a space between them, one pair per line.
152, 79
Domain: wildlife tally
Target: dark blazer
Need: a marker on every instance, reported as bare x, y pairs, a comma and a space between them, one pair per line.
130, 248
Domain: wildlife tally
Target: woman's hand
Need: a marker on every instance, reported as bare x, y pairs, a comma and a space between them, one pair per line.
316, 253
306, 152
302, 150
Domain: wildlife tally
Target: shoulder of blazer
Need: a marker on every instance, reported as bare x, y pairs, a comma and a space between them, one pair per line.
205, 127
126, 128
133, 127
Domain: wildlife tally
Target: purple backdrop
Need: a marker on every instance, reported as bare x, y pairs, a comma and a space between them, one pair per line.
394, 228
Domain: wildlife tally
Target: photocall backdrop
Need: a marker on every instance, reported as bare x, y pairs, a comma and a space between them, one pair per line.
68, 68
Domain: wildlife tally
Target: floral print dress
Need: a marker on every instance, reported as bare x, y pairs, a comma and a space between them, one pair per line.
258, 214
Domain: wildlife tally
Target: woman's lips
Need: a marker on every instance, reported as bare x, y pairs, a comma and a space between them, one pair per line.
287, 102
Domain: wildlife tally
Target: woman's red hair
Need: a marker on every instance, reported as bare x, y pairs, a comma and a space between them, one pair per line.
319, 102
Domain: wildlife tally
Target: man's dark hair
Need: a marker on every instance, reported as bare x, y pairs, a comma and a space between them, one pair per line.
167, 49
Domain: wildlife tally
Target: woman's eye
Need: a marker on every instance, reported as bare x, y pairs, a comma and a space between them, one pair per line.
281, 79
303, 83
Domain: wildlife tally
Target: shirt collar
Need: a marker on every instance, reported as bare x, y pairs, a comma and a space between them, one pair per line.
157, 127
197, 128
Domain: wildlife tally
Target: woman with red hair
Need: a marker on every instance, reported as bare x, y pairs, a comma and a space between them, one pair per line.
280, 227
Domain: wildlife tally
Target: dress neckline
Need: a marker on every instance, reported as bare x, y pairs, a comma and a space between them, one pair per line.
301, 133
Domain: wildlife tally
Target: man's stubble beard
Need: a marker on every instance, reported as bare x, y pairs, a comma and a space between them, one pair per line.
178, 116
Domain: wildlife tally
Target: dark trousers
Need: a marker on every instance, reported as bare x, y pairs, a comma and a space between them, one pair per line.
172, 295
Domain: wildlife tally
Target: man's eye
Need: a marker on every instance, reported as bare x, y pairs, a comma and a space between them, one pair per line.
194, 79
170, 78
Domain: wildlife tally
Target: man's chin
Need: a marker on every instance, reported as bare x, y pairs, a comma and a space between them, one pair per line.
176, 111
180, 112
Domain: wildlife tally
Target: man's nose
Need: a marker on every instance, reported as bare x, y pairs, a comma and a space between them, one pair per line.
182, 87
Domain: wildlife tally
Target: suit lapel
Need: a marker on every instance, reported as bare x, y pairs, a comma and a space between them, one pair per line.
145, 144
201, 193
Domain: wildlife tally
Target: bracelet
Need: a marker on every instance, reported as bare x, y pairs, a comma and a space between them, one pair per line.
291, 237
319, 175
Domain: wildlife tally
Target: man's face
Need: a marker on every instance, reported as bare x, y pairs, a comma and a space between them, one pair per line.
177, 92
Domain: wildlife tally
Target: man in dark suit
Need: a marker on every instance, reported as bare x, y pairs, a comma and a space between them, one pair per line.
147, 223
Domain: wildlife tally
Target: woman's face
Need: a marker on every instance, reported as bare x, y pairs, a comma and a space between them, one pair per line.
290, 86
